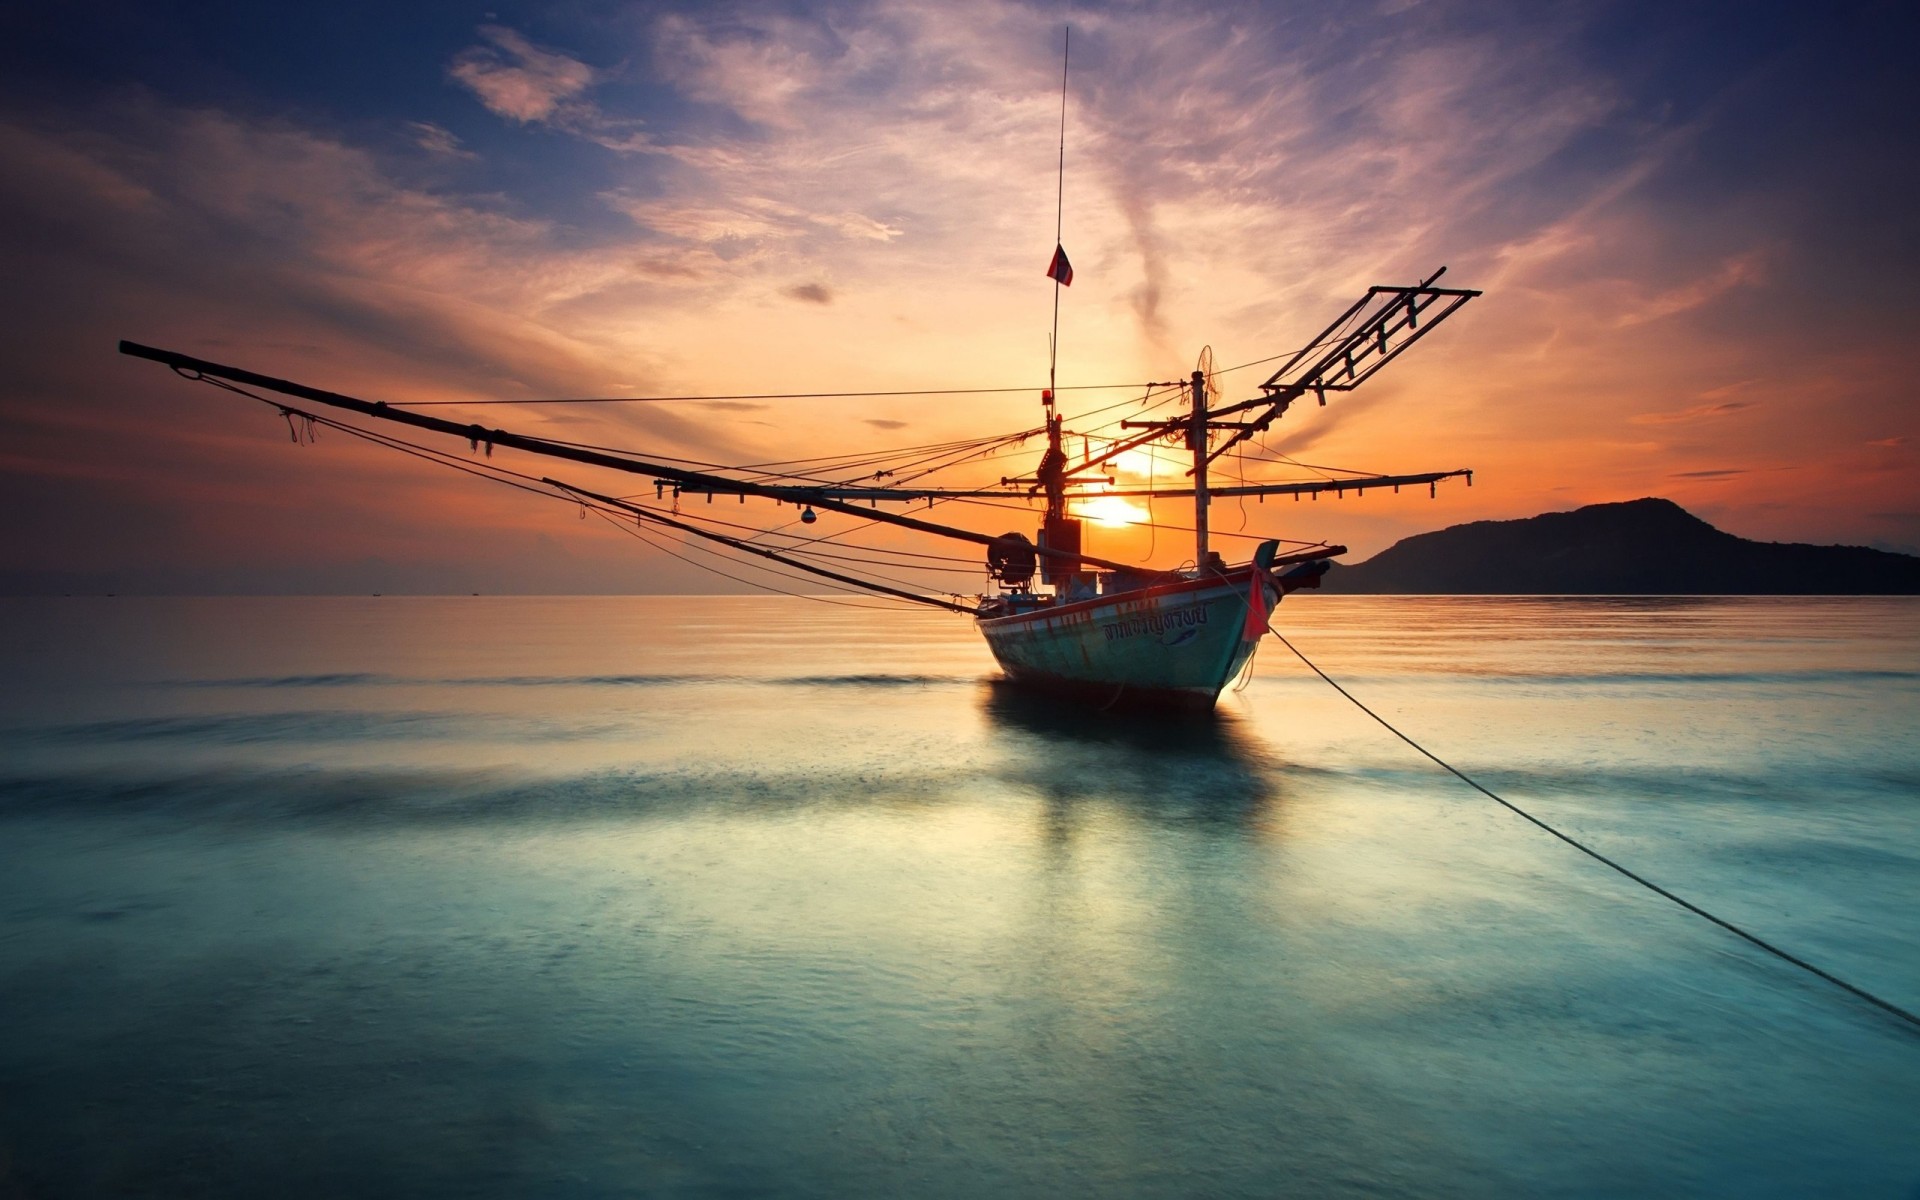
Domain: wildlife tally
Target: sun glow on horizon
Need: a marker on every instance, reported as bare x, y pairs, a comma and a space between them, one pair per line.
1143, 462
1114, 512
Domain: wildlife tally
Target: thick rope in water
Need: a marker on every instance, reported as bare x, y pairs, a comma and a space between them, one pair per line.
1590, 852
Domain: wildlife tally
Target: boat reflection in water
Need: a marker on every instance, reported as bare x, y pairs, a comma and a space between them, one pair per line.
1174, 766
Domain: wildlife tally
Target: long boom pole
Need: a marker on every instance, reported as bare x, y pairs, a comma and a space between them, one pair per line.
1359, 485
197, 367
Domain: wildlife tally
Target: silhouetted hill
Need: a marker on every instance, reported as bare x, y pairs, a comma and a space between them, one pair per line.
1640, 547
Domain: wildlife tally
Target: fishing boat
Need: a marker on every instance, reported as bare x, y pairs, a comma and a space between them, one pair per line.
1177, 638
1055, 616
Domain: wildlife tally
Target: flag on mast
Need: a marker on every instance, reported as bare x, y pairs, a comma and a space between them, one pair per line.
1060, 270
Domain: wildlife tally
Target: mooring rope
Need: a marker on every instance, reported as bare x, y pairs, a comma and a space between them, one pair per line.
1590, 852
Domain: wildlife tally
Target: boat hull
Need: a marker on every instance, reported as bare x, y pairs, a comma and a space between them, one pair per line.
1173, 645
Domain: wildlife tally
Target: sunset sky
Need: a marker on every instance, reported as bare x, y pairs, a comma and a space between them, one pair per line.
1695, 225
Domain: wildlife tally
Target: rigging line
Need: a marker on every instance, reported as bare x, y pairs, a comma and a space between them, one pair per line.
737, 544
193, 368
992, 391
600, 511
708, 567
760, 477
985, 454
1250, 537
835, 538
1590, 852
832, 458
857, 457
954, 457
501, 474
799, 544
1325, 471
841, 462
863, 457
1331, 336
640, 510
1153, 530
959, 451
1243, 483
873, 563
1173, 394
508, 477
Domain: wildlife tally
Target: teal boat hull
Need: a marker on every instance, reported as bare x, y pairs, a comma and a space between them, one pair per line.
1175, 644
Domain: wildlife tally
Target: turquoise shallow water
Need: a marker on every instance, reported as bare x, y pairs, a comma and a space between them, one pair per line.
742, 896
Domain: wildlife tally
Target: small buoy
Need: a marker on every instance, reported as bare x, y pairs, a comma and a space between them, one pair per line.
807, 517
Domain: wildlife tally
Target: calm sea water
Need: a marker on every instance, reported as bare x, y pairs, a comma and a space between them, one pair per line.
736, 897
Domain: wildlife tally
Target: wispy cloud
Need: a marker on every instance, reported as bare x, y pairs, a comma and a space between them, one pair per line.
517, 79
1698, 412
439, 141
1740, 271
530, 84
758, 66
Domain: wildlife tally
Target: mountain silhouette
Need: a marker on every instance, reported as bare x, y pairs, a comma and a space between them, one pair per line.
1648, 547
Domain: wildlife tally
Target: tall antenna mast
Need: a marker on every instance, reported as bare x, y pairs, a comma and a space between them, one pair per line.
1059, 220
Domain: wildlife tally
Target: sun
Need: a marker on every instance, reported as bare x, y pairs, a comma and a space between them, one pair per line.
1140, 462
1111, 511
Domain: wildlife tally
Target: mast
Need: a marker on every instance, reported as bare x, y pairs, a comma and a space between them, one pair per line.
1059, 227
1197, 441
1053, 465
1057, 532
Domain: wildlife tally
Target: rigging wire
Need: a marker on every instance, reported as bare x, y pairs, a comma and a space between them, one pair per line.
493, 473
497, 473
1250, 537
601, 512
711, 569
799, 544
1590, 852
992, 391
1327, 339
766, 476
